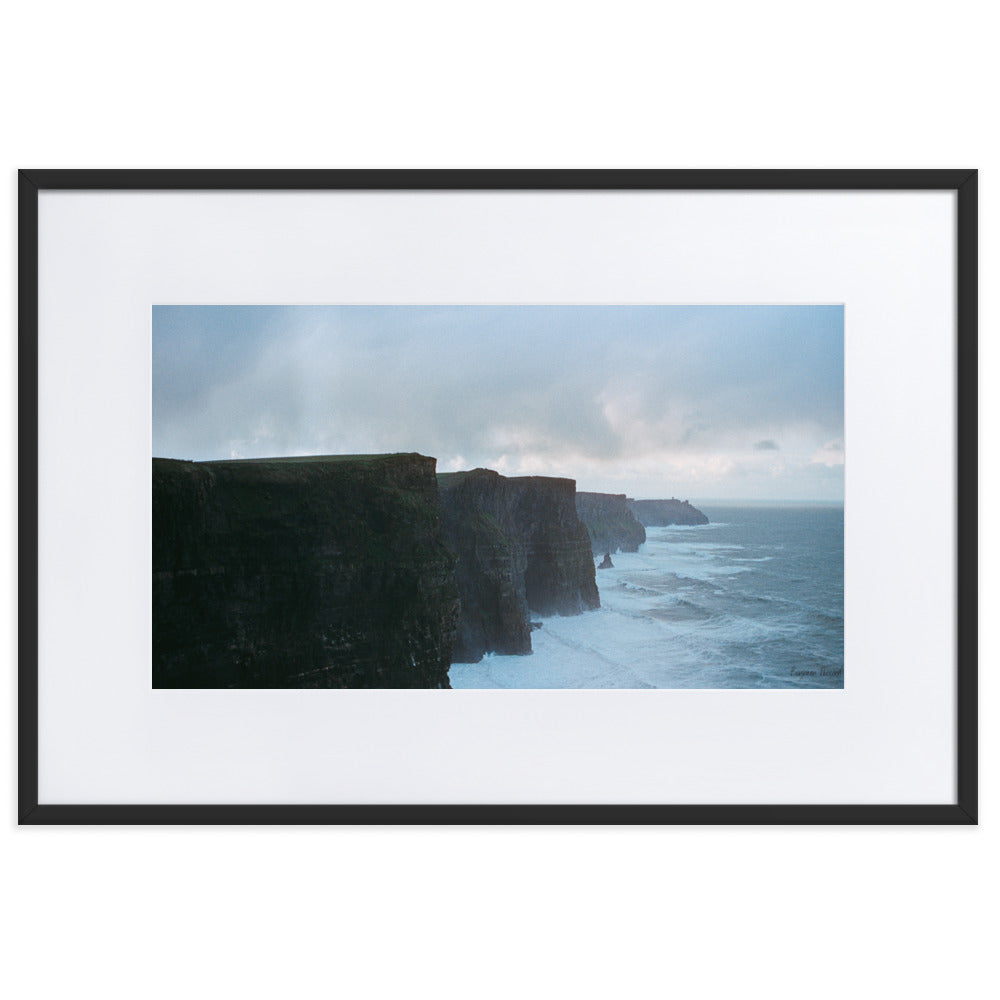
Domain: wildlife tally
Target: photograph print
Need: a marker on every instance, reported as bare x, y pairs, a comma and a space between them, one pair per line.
498, 496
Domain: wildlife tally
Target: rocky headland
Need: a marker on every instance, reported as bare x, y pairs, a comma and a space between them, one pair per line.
660, 513
521, 548
609, 522
367, 570
318, 572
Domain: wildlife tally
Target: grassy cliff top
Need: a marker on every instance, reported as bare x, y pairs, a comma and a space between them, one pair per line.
303, 459
446, 480
304, 467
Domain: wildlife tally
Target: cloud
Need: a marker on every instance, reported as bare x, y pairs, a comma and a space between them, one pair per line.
699, 393
830, 455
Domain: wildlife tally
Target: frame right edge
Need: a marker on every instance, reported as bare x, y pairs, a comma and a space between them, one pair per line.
967, 497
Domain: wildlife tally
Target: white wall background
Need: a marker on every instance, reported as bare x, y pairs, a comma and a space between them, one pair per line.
498, 912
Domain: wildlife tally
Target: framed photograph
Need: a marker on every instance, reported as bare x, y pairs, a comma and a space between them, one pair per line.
498, 496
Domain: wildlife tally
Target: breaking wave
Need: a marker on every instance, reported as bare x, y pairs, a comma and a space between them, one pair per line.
753, 599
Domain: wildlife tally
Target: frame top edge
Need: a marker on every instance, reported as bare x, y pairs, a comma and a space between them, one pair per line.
710, 179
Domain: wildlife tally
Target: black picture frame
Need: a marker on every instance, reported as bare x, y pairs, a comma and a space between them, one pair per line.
963, 182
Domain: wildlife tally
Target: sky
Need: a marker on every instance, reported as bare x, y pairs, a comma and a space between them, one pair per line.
722, 402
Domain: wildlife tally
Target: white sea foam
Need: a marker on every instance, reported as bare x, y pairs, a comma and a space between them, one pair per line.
683, 611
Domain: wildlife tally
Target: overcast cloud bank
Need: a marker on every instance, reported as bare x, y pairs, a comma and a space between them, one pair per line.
704, 401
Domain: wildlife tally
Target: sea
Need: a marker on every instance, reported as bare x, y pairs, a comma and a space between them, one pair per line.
754, 599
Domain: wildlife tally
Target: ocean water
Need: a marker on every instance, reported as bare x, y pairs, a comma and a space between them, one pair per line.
755, 599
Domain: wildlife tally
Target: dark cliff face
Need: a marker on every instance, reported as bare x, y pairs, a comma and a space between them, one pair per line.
322, 572
559, 578
658, 513
520, 546
478, 511
609, 523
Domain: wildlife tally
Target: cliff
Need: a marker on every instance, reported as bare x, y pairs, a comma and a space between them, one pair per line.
320, 572
609, 522
520, 547
656, 513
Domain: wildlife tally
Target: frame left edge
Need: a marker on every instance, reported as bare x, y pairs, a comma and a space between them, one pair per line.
27, 496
